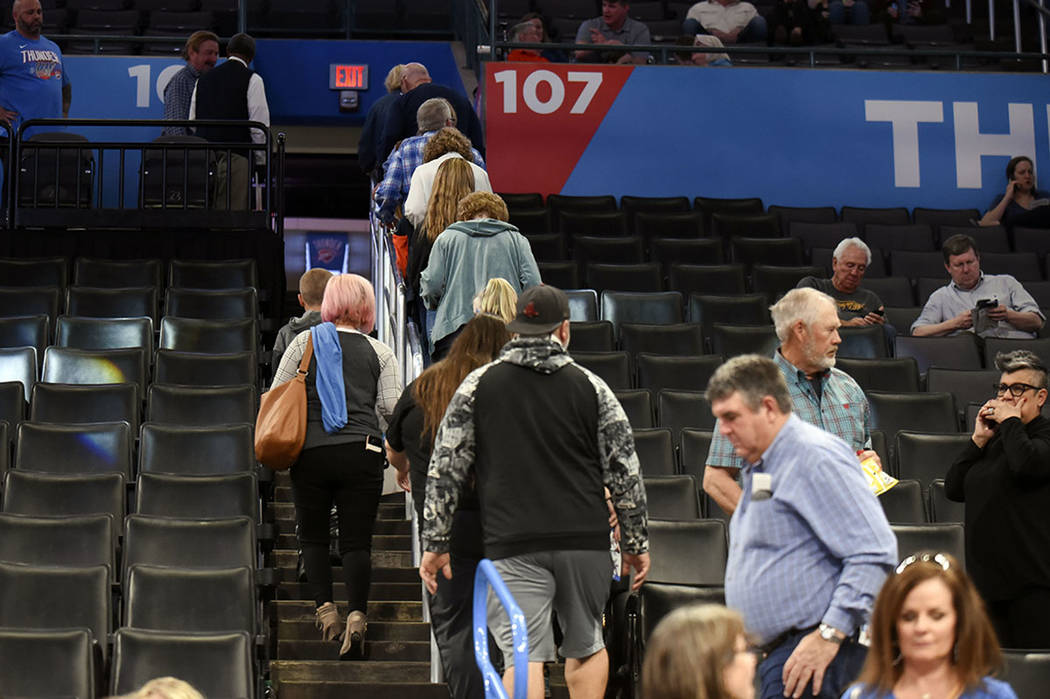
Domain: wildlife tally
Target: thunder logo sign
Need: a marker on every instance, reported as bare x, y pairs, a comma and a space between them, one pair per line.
45, 64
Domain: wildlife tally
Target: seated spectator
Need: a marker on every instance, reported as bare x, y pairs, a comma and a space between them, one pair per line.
498, 299
911, 12
1021, 197
990, 305
856, 306
527, 32
311, 293
701, 58
795, 23
480, 246
930, 637
446, 143
432, 115
697, 651
846, 11
552, 55
613, 28
732, 21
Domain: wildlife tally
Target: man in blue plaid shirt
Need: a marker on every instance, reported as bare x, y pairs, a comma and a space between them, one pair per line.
201, 53
432, 115
807, 324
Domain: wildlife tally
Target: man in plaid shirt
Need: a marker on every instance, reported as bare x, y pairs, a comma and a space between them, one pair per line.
807, 324
432, 115
201, 53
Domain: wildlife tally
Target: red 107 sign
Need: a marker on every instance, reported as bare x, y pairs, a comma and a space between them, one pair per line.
539, 119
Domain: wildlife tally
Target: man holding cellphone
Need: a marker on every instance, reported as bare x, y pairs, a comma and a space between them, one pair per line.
1004, 308
856, 306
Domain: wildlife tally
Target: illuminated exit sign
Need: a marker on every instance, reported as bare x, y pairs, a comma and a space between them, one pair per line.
347, 76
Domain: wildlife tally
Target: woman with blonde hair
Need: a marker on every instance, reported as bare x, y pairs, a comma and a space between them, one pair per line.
930, 637
497, 299
699, 652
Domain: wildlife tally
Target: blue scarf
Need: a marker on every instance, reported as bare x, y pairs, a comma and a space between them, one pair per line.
329, 355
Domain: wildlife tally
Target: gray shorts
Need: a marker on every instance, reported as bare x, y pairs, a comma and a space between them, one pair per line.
575, 584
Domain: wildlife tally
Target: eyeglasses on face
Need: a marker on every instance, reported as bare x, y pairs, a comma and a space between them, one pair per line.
1016, 389
938, 558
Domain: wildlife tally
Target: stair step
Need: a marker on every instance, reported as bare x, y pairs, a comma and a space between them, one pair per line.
386, 591
306, 630
340, 690
288, 573
380, 543
374, 650
286, 525
282, 671
303, 610
387, 566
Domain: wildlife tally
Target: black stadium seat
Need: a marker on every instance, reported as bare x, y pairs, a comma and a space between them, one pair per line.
655, 449
897, 374
19, 364
903, 503
638, 406
681, 339
197, 497
123, 302
914, 538
169, 599
727, 279
632, 307
591, 336
199, 369
41, 663
116, 274
732, 340
39, 271
671, 497
196, 451
211, 304
614, 368
25, 331
657, 372
188, 543
105, 333
680, 409
216, 664
216, 336
221, 274
98, 447
58, 540
68, 404
192, 406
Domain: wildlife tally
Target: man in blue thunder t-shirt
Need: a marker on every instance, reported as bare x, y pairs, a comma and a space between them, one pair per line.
33, 83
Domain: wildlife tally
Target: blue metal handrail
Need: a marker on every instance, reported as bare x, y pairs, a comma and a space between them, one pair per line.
488, 575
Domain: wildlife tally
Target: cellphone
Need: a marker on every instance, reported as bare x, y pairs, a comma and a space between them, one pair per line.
986, 303
879, 311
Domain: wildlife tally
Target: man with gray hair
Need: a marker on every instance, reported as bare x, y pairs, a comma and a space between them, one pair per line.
432, 116
807, 325
806, 565
417, 88
856, 306
544, 469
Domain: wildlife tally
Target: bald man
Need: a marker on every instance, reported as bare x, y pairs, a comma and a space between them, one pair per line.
417, 88
33, 81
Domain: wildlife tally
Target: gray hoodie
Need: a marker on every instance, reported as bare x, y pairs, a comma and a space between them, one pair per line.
288, 332
465, 256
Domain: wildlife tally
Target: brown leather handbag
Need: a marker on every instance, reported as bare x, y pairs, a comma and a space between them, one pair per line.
280, 428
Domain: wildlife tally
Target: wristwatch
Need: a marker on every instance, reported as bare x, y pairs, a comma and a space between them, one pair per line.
830, 633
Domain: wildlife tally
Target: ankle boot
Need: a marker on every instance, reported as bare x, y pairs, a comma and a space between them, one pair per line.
329, 621
354, 637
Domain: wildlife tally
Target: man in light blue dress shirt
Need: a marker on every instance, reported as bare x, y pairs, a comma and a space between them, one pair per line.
809, 543
950, 309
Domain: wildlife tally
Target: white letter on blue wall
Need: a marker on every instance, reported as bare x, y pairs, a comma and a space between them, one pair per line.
971, 144
905, 116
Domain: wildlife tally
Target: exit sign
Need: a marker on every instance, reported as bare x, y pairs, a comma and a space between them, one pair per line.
347, 76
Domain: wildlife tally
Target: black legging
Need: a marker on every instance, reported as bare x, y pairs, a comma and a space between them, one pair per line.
352, 478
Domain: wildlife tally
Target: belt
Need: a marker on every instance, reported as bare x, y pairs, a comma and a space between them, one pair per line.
779, 640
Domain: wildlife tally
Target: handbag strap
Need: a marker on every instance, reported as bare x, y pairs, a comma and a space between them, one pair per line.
308, 354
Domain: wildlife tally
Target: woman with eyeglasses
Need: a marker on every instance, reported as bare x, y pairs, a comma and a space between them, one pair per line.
1003, 476
699, 652
930, 637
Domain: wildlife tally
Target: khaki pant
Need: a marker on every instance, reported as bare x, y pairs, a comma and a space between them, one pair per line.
237, 183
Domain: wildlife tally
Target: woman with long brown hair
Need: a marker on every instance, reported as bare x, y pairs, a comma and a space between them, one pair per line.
930, 637
410, 438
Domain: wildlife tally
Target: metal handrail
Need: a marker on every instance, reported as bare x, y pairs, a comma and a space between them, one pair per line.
486, 576
20, 142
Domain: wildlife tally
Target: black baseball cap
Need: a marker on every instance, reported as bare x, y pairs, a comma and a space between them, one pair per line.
540, 310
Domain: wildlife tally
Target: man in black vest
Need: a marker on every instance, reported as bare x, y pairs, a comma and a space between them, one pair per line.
233, 91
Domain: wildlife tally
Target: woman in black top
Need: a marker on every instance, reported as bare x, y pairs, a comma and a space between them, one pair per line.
410, 439
352, 385
1014, 206
1003, 476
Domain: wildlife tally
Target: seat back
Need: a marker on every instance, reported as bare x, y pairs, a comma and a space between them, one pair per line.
169, 599
1027, 673
917, 412
892, 291
896, 375
19, 364
189, 543
733, 340
29, 301
70, 404
74, 366
688, 552
196, 451
967, 385
657, 600
211, 304
742, 309
914, 538
592, 336
614, 368
105, 333
116, 274
913, 265
655, 450
683, 224
707, 279
64, 597
822, 234
757, 225
927, 457
199, 369
1022, 266
25, 331
952, 352
127, 302
212, 336
691, 251
77, 541
193, 406
101, 447
995, 345
862, 216
661, 308
682, 339
638, 405
803, 214
197, 497
917, 237
216, 664
657, 372
610, 223
867, 342
221, 274
750, 251
45, 494
775, 280
41, 663
680, 409
903, 503
40, 271
645, 277
583, 304
174, 177
671, 497
619, 250
58, 174
942, 510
